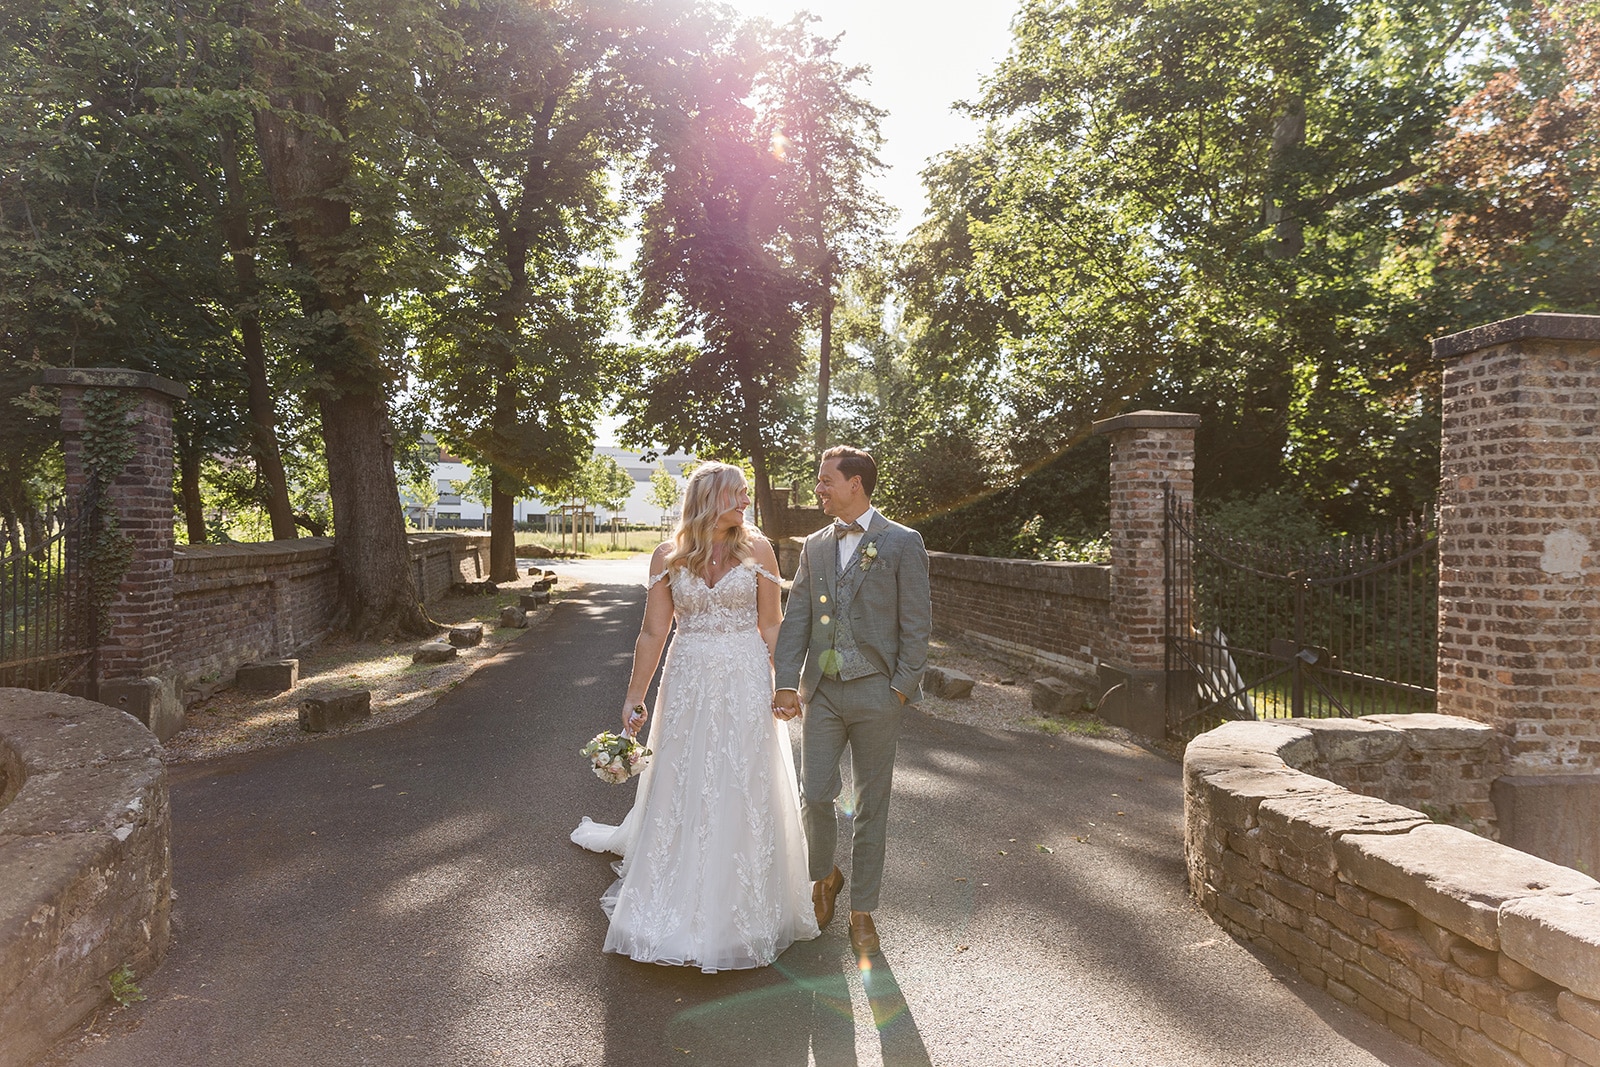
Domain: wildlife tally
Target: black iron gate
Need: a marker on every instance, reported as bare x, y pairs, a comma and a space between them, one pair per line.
49, 612
1254, 631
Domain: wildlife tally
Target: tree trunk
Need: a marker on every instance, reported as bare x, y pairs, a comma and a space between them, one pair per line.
308, 172
1288, 228
194, 511
377, 588
503, 420
824, 365
263, 416
502, 534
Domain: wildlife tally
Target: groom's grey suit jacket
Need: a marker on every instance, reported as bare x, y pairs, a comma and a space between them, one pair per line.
891, 614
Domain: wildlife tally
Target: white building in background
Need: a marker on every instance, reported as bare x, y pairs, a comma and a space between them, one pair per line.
454, 510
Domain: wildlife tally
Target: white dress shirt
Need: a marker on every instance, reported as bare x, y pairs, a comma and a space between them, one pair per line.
848, 543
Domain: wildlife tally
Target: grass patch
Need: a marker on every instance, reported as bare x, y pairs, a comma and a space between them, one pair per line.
601, 546
1082, 727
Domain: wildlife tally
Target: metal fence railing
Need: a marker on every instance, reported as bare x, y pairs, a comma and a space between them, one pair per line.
1344, 628
49, 619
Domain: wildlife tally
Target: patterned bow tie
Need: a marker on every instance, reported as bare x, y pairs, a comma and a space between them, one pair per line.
845, 529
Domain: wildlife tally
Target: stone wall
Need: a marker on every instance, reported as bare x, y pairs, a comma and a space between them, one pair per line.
85, 862
1053, 616
1478, 952
244, 602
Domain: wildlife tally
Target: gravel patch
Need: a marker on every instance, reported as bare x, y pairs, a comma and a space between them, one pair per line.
234, 720
1002, 699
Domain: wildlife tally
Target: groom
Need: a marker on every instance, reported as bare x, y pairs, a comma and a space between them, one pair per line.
851, 651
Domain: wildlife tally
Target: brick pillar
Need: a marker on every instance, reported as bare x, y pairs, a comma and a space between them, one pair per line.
135, 659
1519, 567
1150, 452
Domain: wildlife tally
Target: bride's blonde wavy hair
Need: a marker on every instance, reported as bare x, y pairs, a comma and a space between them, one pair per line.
710, 492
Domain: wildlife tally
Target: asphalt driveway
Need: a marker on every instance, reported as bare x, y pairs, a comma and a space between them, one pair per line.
408, 896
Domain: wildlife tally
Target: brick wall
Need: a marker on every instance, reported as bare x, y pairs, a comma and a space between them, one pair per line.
1478, 952
239, 603
1054, 616
1519, 540
140, 498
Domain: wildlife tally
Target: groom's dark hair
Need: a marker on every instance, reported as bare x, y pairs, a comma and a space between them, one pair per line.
855, 463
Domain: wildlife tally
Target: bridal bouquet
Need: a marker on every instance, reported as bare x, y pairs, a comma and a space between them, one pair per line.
615, 757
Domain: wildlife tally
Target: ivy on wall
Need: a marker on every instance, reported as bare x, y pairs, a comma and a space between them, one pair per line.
108, 447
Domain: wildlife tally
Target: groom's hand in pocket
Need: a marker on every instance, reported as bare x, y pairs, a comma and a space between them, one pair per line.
786, 704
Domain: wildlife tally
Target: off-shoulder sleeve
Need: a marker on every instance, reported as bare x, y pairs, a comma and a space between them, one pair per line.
650, 582
768, 575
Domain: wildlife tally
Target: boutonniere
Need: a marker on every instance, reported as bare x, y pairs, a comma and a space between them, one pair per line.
869, 555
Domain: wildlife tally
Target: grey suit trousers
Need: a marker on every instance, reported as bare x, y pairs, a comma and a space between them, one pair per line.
865, 714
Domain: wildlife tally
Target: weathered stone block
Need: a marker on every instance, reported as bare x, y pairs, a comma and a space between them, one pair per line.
1438, 938
1055, 696
529, 601
1557, 936
1346, 741
1440, 1026
269, 676
1536, 1013
1515, 974
513, 617
1477, 1050
1579, 1011
329, 710
1478, 962
85, 863
466, 636
434, 652
1312, 821
1452, 877
152, 701
947, 682
1538, 1053
1428, 732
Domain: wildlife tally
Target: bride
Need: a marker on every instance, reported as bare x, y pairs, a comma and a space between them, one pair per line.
714, 871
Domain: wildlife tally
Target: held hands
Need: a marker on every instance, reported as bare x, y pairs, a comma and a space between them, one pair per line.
786, 704
633, 718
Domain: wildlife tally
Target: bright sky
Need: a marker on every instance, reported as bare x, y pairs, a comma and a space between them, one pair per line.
924, 55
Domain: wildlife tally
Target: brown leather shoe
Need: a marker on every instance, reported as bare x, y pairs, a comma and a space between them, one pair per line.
864, 935
824, 893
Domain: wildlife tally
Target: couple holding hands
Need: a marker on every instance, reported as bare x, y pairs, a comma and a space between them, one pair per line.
727, 860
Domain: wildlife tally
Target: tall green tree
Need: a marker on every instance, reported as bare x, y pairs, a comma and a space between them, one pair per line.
827, 135
1507, 218
718, 289
528, 117
334, 136
1187, 202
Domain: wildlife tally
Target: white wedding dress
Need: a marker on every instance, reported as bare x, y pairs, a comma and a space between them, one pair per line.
714, 869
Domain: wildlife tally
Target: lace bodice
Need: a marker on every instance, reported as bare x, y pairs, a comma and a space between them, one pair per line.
727, 607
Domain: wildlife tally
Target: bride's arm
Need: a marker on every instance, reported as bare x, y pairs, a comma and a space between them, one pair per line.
769, 610
652, 637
